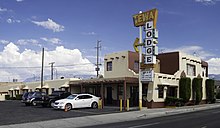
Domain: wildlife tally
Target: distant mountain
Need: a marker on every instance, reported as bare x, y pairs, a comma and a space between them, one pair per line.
214, 76
48, 77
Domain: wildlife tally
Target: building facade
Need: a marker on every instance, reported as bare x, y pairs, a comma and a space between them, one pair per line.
169, 69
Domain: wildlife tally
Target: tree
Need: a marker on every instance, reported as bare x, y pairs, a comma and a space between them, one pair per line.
185, 89
197, 90
209, 84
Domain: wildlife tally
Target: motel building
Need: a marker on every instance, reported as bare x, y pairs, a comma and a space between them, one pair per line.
120, 79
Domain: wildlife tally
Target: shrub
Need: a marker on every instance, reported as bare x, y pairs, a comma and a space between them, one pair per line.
185, 89
173, 101
7, 97
218, 95
18, 96
197, 90
209, 84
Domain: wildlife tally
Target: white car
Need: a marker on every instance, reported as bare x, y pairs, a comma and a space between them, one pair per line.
77, 101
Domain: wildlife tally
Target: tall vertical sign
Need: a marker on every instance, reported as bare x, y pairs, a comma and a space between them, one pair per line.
147, 19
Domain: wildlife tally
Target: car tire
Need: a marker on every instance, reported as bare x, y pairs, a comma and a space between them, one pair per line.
94, 105
68, 107
52, 103
34, 103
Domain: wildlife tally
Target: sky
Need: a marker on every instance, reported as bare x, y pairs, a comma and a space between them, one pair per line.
69, 29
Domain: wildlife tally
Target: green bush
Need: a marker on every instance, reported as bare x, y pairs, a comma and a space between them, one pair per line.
173, 101
210, 97
18, 96
218, 95
7, 97
197, 90
185, 89
12, 98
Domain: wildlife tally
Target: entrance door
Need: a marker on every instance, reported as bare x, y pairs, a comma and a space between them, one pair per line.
134, 93
109, 95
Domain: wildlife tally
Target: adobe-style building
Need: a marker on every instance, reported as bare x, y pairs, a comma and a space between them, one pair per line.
121, 78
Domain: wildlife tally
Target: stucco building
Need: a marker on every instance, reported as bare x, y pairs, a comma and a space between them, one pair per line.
121, 78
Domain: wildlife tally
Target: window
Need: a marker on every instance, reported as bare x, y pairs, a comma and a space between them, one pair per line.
87, 97
109, 66
191, 70
136, 65
172, 91
160, 91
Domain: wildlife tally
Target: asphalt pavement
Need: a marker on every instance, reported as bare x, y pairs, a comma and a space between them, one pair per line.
202, 119
112, 118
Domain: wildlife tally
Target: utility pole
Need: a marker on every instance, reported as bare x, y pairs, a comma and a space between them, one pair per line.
42, 69
98, 47
51, 69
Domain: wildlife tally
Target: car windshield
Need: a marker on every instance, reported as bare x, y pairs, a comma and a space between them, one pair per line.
30, 93
71, 97
56, 93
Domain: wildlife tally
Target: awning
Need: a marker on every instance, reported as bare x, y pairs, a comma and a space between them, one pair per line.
17, 88
46, 86
25, 88
38, 87
65, 85
11, 89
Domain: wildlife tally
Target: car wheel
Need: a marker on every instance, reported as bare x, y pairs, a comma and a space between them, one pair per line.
34, 103
52, 104
68, 107
94, 105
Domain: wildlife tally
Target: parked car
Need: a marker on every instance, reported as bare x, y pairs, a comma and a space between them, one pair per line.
32, 97
50, 99
25, 97
77, 101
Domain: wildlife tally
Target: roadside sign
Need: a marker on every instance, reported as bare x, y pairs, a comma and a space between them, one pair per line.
141, 18
136, 44
147, 75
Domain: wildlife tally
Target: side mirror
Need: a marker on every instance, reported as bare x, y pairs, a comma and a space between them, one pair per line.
77, 99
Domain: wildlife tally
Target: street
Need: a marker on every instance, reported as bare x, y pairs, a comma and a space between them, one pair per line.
200, 119
15, 112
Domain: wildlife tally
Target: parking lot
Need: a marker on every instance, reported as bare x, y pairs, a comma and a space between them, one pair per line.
14, 112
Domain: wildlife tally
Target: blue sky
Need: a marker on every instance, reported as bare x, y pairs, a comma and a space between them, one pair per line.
69, 29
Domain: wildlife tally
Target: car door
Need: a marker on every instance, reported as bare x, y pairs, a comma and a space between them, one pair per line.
78, 101
87, 101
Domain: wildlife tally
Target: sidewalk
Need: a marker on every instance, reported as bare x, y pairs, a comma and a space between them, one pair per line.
111, 118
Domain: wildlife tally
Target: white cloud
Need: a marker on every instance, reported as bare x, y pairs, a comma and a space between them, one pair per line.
3, 9
214, 67
54, 41
192, 50
207, 2
67, 61
13, 21
50, 24
4, 42
28, 42
19, 0
89, 33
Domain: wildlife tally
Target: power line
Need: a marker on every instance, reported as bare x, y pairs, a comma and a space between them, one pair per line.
68, 65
